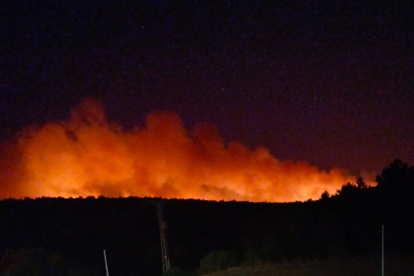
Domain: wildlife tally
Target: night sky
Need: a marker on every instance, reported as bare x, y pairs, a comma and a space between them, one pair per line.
327, 82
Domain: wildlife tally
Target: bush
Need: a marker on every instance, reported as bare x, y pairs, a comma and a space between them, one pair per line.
216, 261
251, 257
176, 271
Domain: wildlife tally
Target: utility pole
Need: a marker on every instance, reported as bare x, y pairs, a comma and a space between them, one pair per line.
164, 245
106, 263
382, 251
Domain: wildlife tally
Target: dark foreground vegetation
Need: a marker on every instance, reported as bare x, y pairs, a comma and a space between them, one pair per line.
396, 264
56, 236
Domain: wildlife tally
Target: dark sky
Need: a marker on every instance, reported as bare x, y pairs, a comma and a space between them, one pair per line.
327, 82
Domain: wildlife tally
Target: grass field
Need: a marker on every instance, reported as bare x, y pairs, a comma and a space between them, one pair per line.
395, 265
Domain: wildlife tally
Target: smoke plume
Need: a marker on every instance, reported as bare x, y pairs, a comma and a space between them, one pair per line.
88, 155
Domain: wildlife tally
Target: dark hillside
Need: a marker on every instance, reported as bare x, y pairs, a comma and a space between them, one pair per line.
70, 234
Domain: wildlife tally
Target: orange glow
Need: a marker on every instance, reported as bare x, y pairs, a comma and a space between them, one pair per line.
90, 156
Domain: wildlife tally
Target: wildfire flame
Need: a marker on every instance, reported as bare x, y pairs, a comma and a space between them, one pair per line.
91, 156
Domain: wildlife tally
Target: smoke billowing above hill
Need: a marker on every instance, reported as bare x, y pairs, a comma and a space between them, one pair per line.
88, 155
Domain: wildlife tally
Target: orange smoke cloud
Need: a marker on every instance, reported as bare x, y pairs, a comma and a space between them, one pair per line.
90, 156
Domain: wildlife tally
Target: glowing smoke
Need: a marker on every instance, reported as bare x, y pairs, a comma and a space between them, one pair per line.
88, 155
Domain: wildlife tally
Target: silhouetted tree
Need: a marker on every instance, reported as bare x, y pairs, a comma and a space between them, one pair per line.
396, 190
398, 175
325, 195
361, 183
348, 189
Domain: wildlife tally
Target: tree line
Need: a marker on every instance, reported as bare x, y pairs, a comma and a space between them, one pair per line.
57, 236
